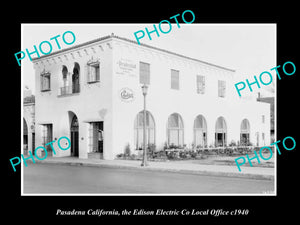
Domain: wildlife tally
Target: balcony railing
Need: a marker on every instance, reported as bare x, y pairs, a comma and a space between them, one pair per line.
67, 90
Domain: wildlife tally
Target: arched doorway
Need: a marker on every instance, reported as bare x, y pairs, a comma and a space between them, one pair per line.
245, 132
74, 129
175, 130
221, 132
200, 132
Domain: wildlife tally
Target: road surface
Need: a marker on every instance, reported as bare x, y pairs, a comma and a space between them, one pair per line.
51, 178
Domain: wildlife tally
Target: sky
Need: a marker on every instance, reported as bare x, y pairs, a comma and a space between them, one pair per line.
249, 49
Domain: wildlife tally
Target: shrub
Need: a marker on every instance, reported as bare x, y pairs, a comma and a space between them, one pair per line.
172, 155
127, 151
173, 146
229, 151
232, 143
193, 154
121, 155
151, 149
166, 146
133, 156
183, 154
160, 154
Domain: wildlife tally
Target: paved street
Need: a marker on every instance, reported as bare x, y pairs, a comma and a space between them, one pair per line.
52, 178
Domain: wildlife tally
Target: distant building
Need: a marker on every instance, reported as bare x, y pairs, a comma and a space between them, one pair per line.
28, 121
91, 93
269, 100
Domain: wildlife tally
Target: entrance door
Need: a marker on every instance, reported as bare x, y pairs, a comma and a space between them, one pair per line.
33, 142
220, 139
100, 137
25, 137
74, 137
97, 135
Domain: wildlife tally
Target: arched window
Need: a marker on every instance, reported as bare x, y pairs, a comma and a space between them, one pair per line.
74, 124
245, 132
65, 76
200, 131
175, 130
221, 132
138, 129
75, 78
64, 71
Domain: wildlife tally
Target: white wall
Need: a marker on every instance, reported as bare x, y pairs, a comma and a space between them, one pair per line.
162, 101
93, 103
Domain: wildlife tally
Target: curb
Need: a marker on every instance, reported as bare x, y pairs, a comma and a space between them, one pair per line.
182, 171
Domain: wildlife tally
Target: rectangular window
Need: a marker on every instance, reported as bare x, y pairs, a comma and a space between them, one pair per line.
94, 72
200, 84
45, 81
263, 118
221, 88
144, 73
174, 79
46, 138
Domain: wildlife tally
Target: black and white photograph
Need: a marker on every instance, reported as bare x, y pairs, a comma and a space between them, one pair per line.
129, 118
170, 117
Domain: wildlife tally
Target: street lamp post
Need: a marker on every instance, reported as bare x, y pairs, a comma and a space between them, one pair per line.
144, 162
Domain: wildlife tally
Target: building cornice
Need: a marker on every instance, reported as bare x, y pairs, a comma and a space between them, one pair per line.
130, 41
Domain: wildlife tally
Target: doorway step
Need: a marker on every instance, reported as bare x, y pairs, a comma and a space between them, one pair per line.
95, 155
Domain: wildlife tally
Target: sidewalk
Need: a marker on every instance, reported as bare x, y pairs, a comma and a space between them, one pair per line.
169, 166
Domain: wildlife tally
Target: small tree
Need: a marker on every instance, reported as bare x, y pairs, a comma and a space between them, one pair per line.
127, 151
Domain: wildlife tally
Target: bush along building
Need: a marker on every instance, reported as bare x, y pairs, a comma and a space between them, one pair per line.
91, 93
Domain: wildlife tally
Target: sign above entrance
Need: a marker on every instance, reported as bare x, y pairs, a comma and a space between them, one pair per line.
126, 95
126, 67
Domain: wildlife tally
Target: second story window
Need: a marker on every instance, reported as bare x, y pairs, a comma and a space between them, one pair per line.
93, 71
65, 76
174, 79
45, 81
144, 73
200, 84
75, 78
70, 81
221, 88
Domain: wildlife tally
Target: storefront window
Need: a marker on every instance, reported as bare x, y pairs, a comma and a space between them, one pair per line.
175, 130
138, 130
200, 132
245, 132
221, 132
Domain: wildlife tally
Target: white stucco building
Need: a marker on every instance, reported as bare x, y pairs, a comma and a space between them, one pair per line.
28, 121
92, 94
